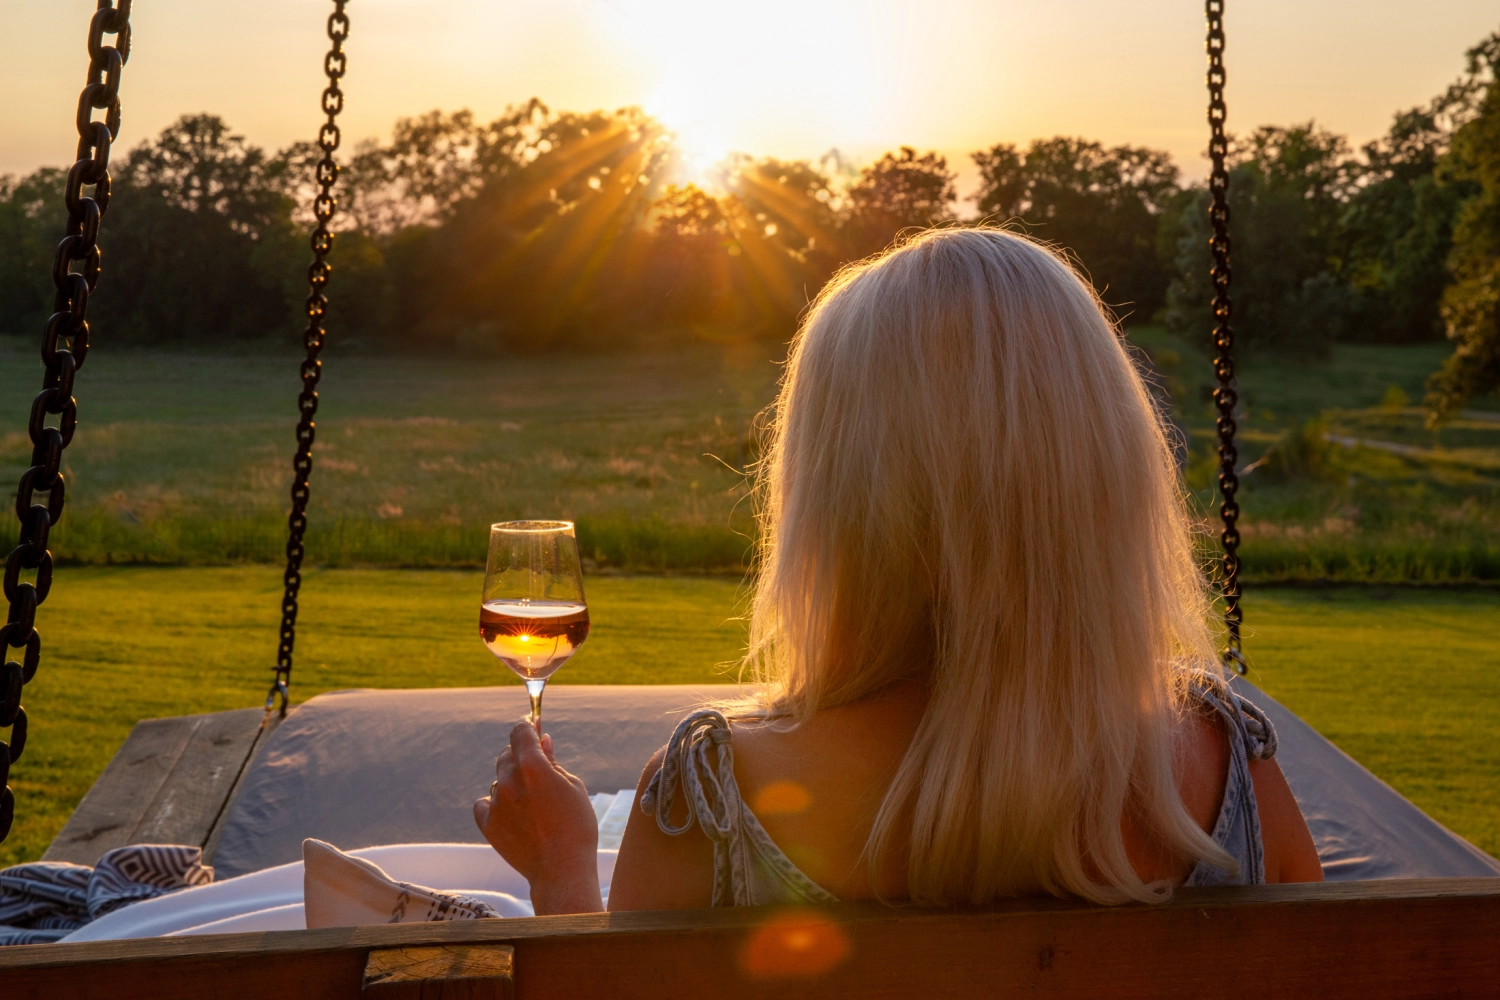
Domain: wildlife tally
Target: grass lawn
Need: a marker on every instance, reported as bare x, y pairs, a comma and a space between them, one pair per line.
1387, 500
183, 458
1404, 680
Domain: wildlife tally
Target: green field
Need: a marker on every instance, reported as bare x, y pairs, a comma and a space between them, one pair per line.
1341, 480
1402, 679
1406, 681
183, 458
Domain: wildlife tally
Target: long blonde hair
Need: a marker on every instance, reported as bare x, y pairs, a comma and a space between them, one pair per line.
967, 482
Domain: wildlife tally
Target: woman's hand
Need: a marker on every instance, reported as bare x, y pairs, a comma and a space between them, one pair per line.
540, 819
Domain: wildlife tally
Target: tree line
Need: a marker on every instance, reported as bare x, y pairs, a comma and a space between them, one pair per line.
547, 229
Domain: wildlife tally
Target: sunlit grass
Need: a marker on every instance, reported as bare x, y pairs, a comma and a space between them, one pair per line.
184, 458
1392, 501
1406, 681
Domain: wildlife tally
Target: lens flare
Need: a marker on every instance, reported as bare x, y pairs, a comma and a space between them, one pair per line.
781, 798
794, 945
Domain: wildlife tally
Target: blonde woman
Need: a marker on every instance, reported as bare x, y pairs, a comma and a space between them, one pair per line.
983, 645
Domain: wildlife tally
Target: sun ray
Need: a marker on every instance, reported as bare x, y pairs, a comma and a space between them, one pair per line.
802, 212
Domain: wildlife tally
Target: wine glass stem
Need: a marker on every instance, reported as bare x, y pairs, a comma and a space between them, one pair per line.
535, 688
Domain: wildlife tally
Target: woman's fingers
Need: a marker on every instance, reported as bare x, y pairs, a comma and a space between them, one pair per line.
539, 818
482, 812
525, 759
525, 769
526, 745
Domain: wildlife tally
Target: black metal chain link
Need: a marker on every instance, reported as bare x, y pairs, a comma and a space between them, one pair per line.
324, 207
65, 345
1225, 395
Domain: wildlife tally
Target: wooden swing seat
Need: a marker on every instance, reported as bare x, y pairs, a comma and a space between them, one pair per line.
176, 780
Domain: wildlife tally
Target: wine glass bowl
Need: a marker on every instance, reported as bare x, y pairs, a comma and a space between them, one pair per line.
533, 615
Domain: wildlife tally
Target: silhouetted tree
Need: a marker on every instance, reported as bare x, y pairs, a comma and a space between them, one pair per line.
438, 161
741, 264
793, 201
897, 192
202, 235
31, 225
1101, 204
547, 229
691, 256
1287, 192
1471, 304
689, 213
1398, 228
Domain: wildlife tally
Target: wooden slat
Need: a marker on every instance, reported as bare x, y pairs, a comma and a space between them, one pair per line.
113, 808
184, 810
216, 830
441, 972
168, 784
1428, 937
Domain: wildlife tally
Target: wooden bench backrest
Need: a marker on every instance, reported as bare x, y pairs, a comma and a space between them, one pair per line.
1430, 937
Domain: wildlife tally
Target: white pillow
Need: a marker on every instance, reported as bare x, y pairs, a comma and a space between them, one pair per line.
339, 890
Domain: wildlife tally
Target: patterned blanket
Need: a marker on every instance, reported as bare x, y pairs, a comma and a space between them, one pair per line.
46, 900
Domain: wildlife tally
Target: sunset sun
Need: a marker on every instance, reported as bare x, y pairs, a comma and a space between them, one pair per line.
700, 137
718, 75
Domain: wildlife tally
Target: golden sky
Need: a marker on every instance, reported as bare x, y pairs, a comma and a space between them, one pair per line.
790, 78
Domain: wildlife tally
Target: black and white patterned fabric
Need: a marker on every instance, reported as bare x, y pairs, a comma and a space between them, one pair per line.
46, 900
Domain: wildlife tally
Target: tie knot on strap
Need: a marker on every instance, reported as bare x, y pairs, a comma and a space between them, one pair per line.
707, 784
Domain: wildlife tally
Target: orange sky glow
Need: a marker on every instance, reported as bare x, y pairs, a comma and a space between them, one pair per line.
789, 78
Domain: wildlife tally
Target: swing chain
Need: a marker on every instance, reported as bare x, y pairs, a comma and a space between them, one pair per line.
65, 344
1225, 396
324, 206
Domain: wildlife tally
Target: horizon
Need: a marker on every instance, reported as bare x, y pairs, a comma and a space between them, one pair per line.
955, 77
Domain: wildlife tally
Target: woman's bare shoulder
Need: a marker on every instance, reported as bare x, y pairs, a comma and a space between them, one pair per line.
1289, 852
814, 787
656, 870
1291, 855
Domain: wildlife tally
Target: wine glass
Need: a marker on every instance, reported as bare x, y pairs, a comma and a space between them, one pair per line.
533, 615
